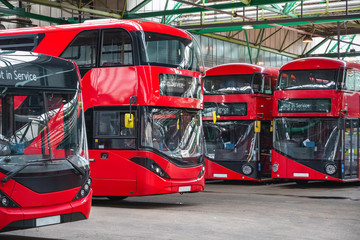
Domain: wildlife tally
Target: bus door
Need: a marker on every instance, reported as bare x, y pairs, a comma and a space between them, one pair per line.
264, 149
351, 160
113, 146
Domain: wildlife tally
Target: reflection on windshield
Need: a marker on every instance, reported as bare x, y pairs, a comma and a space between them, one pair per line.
228, 84
230, 140
237, 84
167, 50
41, 126
174, 132
307, 79
307, 138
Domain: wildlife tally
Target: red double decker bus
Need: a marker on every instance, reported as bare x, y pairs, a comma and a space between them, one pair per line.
237, 121
44, 166
141, 83
316, 121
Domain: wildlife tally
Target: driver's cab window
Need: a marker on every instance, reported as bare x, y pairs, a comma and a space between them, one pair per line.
110, 131
262, 84
257, 83
267, 84
350, 80
357, 81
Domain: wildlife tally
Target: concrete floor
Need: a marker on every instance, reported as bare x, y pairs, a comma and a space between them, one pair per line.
223, 211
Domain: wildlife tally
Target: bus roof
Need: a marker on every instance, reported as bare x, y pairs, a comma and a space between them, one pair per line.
318, 63
241, 68
130, 25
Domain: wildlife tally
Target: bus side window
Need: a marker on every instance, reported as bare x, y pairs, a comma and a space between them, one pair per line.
83, 50
116, 48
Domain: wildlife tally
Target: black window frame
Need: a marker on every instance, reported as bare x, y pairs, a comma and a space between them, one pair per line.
99, 44
37, 38
94, 137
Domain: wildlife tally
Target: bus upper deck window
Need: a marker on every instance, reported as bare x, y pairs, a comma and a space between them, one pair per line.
116, 48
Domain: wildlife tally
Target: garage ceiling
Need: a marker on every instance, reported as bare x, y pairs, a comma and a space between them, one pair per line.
233, 20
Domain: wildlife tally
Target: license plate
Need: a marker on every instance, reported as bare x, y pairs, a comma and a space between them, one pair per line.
47, 221
301, 174
220, 175
185, 189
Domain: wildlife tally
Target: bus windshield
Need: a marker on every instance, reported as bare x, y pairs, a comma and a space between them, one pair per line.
174, 132
170, 51
307, 79
41, 126
230, 140
307, 138
237, 84
41, 115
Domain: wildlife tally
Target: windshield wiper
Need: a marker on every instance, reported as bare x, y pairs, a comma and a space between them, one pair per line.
36, 162
81, 171
16, 172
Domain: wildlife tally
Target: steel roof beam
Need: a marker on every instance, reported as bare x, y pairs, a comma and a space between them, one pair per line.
240, 42
200, 8
139, 6
22, 13
7, 4
66, 5
268, 23
334, 55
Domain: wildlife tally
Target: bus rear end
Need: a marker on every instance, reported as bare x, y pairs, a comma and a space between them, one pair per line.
316, 121
44, 168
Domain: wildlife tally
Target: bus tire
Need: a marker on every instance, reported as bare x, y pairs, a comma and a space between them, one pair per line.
117, 198
302, 182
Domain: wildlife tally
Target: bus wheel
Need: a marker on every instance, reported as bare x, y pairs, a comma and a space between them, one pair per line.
117, 198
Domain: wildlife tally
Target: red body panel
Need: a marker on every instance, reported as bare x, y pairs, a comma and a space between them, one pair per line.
108, 87
216, 171
126, 178
288, 167
35, 205
318, 63
339, 102
259, 107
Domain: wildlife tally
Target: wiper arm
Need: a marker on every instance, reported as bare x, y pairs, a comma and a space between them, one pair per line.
35, 162
76, 167
14, 173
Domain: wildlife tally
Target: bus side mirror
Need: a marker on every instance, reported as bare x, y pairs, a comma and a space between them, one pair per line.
257, 126
129, 120
215, 117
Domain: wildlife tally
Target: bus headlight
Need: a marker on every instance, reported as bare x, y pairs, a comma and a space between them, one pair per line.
202, 171
330, 168
151, 165
247, 169
84, 190
5, 201
275, 167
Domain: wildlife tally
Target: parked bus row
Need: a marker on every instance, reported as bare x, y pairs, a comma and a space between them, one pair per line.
142, 92
310, 119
